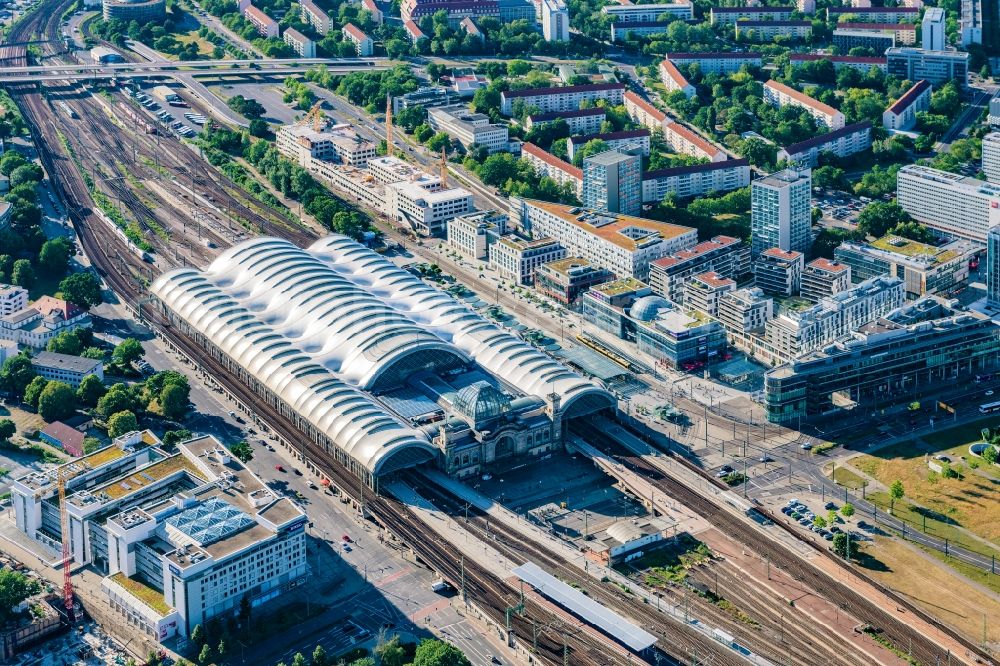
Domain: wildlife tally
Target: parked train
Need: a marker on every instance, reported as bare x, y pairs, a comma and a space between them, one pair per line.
137, 118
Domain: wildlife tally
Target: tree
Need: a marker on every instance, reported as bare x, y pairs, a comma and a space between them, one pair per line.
819, 521
592, 147
198, 635
439, 653
127, 352
26, 173
299, 659
847, 510
66, 342
33, 391
91, 444
57, 401
173, 437
896, 492
221, 649
242, 451
82, 289
259, 128
54, 256
497, 169
391, 653
990, 453
15, 587
121, 423
7, 429
831, 517
319, 656
173, 401
119, 398
23, 275
16, 373
877, 218
914, 231
205, 655
91, 390
841, 544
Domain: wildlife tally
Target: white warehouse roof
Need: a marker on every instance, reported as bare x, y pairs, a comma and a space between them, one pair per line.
319, 326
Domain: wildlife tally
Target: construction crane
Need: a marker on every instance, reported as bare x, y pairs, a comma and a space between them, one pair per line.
66, 551
314, 116
388, 125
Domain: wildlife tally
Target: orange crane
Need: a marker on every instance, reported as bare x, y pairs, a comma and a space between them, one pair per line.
314, 116
66, 551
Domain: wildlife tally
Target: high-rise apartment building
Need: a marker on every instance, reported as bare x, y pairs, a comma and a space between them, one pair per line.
781, 211
555, 21
993, 266
932, 30
612, 182
991, 157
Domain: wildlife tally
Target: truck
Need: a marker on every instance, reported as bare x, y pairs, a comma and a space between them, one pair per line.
440, 586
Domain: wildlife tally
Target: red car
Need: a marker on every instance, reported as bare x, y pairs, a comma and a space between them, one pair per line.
279, 468
346, 538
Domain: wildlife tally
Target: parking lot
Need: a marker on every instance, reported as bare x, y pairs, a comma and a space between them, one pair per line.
839, 208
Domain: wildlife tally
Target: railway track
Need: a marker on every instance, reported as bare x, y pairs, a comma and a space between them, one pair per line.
902, 636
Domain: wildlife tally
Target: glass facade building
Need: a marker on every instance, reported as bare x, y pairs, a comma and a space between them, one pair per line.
612, 182
781, 211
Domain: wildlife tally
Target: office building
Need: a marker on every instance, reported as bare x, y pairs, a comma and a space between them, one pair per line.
886, 362
180, 538
715, 62
675, 337
426, 97
621, 244
516, 258
581, 121
518, 10
991, 157
781, 211
547, 164
932, 30
795, 332
318, 19
363, 44
427, 211
935, 67
631, 141
673, 79
473, 233
860, 63
12, 299
848, 140
564, 98
695, 180
623, 14
778, 272
612, 182
65, 367
468, 128
778, 94
731, 15
902, 114
302, 45
564, 280
993, 267
555, 21
971, 23
704, 291
143, 11
303, 144
822, 277
723, 255
266, 26
951, 203
764, 31
745, 311
874, 14
924, 269
993, 118
35, 325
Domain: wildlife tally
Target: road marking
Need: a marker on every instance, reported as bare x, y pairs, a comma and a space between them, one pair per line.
385, 580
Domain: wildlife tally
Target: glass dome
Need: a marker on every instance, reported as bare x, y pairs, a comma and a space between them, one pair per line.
646, 308
481, 402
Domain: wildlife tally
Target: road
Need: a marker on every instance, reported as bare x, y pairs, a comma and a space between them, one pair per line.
966, 117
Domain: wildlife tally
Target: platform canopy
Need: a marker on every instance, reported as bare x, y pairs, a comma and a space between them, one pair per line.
608, 621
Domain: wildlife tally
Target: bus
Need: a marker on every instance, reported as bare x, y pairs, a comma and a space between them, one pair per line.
989, 408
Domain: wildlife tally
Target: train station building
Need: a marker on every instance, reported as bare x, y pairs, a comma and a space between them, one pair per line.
379, 369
